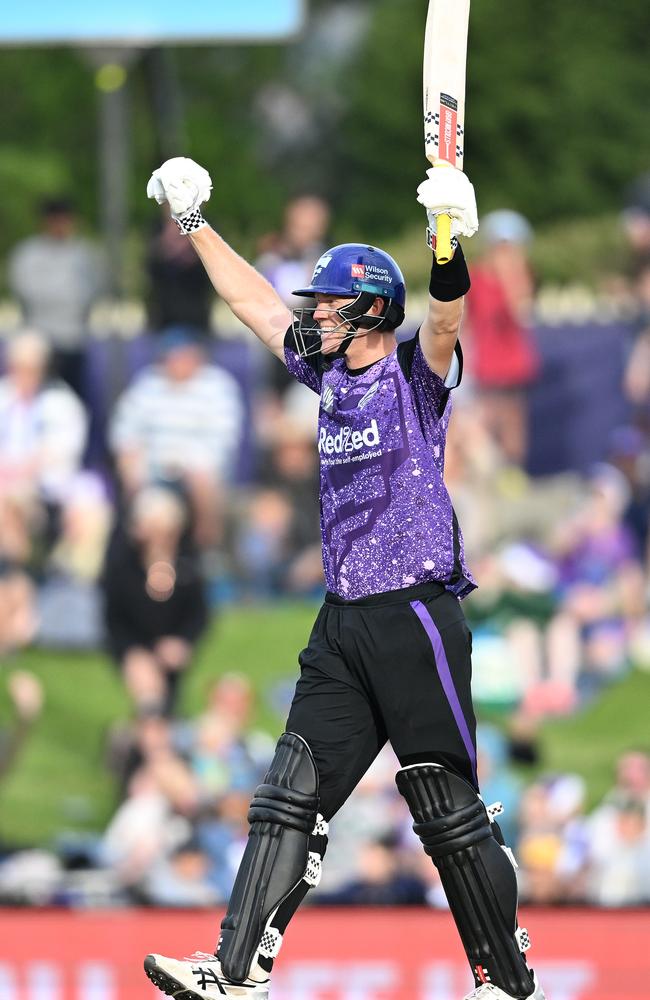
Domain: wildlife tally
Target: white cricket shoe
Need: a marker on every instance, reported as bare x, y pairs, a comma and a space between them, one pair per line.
199, 976
488, 991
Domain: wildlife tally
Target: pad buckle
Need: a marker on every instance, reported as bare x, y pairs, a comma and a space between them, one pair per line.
321, 828
271, 943
522, 938
314, 869
494, 810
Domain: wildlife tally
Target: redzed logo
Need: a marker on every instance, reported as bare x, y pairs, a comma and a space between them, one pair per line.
358, 270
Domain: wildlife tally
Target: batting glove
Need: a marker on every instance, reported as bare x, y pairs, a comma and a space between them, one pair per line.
185, 186
449, 191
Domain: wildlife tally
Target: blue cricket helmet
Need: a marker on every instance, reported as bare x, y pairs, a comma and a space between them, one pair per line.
362, 272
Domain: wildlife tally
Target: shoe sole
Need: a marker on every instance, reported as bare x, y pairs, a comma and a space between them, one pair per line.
166, 983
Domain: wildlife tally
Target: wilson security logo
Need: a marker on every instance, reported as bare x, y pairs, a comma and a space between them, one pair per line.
347, 440
358, 270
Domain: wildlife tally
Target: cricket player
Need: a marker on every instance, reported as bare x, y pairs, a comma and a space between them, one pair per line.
389, 654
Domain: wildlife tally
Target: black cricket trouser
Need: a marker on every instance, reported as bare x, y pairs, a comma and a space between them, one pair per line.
395, 666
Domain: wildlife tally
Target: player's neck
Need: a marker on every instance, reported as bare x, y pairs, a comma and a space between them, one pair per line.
365, 350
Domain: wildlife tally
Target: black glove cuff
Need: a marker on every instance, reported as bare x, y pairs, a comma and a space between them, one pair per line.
449, 281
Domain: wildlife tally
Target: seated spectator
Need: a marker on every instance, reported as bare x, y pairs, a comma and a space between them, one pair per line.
42, 435
629, 452
180, 880
379, 880
620, 853
232, 697
498, 781
553, 849
180, 292
69, 599
619, 833
219, 761
633, 777
222, 836
85, 523
376, 811
147, 827
600, 590
278, 547
57, 276
181, 422
155, 607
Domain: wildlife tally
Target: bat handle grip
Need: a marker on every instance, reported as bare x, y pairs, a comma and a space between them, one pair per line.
443, 249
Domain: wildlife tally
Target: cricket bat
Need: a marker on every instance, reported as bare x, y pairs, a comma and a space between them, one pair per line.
445, 59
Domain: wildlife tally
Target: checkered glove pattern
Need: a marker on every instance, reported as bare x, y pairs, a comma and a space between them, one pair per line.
190, 223
184, 185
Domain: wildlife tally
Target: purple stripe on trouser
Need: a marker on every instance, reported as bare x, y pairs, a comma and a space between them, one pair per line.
444, 673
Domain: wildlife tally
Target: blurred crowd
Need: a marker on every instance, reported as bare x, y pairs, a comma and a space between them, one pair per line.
136, 496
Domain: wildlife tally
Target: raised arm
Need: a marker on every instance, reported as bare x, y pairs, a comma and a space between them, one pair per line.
185, 186
446, 190
248, 294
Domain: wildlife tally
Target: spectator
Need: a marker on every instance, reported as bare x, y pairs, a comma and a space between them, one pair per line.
620, 836
278, 545
57, 276
42, 434
69, 598
181, 880
379, 881
229, 705
633, 777
629, 452
600, 590
498, 781
219, 760
155, 608
223, 836
181, 422
620, 854
148, 826
553, 849
85, 523
180, 292
287, 258
501, 354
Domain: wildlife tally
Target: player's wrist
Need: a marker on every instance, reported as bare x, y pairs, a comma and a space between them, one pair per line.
450, 281
190, 222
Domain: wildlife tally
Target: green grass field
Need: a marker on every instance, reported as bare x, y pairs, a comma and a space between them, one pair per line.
61, 782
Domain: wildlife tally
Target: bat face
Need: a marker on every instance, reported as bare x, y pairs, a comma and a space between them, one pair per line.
445, 58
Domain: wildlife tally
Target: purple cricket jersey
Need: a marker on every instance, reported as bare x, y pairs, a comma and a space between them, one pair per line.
387, 521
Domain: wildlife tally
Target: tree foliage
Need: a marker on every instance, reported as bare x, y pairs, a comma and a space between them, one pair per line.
556, 117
